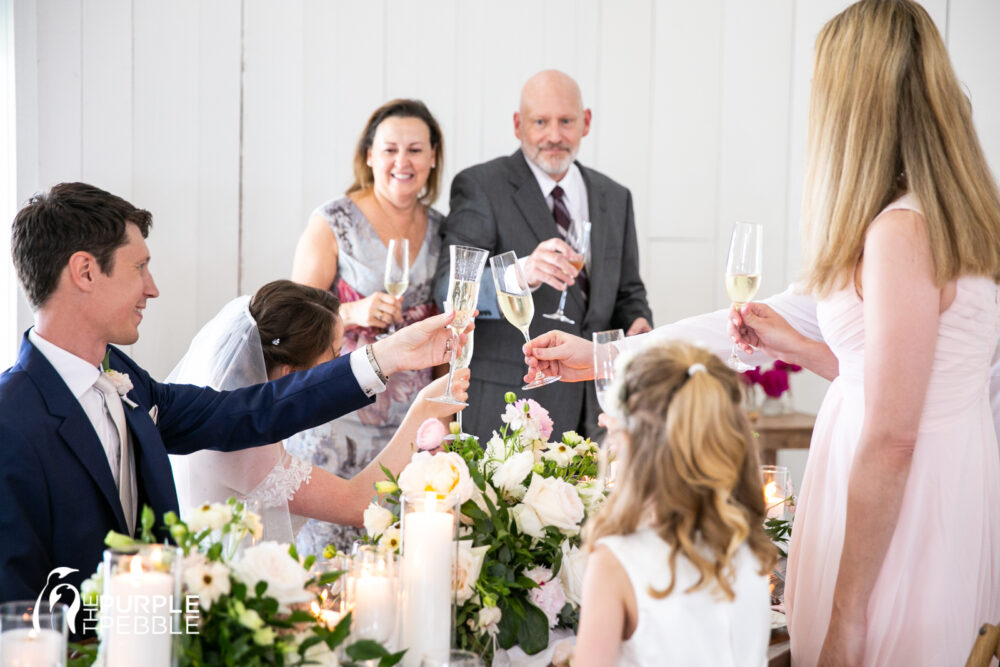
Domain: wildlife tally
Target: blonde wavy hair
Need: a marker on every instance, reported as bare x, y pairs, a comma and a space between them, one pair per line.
887, 115
687, 466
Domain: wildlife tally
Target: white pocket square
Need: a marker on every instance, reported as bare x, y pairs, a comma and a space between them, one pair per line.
153, 412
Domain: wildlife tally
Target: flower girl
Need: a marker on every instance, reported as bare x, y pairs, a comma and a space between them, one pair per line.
679, 558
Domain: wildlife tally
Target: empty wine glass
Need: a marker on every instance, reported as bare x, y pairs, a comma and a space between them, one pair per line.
516, 304
743, 268
605, 354
463, 295
578, 238
397, 272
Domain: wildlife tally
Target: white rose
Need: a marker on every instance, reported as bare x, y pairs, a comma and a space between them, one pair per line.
209, 517
574, 564
444, 473
488, 619
513, 471
494, 454
591, 493
556, 503
560, 453
286, 578
466, 573
207, 579
527, 521
377, 519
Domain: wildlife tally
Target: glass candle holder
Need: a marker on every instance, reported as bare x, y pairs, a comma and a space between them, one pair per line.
777, 486
142, 606
330, 604
33, 636
372, 592
429, 537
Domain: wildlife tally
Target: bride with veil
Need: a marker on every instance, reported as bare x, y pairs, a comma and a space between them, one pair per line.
285, 327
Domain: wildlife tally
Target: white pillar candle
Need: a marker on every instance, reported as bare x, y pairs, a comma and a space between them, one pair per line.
428, 550
139, 620
773, 501
374, 606
25, 647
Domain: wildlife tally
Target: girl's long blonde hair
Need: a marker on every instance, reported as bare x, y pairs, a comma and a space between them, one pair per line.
886, 116
687, 465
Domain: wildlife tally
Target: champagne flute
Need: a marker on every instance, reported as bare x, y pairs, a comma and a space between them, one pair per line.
463, 361
397, 271
743, 267
463, 294
605, 353
516, 304
578, 238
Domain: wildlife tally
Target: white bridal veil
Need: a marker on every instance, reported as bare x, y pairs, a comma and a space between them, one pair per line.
226, 354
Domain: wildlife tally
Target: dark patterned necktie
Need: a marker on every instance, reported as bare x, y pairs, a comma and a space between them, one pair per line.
561, 215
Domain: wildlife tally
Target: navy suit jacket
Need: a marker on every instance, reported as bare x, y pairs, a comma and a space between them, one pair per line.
58, 498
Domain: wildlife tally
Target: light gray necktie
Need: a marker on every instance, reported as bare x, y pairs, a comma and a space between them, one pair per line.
113, 403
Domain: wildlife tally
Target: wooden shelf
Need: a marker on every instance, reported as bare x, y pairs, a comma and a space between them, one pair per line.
791, 431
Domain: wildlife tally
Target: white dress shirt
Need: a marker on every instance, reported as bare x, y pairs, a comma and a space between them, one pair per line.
575, 190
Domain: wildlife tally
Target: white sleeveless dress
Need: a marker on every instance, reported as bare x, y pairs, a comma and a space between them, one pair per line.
691, 629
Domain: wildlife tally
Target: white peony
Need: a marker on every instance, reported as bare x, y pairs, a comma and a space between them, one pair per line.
555, 503
512, 472
286, 578
377, 519
494, 454
559, 453
466, 573
207, 579
209, 517
488, 619
527, 521
444, 473
574, 564
591, 493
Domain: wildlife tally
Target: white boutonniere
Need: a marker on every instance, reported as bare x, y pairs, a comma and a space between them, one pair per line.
121, 381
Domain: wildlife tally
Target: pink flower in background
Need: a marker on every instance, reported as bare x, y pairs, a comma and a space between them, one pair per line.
430, 434
549, 596
540, 415
774, 381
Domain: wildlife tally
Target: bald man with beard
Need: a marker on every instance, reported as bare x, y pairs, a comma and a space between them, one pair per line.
515, 203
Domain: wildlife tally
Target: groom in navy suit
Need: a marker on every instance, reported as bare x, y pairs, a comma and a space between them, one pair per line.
72, 466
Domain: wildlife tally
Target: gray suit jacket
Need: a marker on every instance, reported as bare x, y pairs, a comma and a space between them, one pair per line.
498, 206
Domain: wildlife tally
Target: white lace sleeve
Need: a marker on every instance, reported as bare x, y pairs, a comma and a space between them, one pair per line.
280, 485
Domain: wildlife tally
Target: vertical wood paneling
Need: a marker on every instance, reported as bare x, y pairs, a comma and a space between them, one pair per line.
675, 278
465, 143
165, 152
621, 121
686, 108
753, 163
273, 132
106, 63
975, 53
60, 116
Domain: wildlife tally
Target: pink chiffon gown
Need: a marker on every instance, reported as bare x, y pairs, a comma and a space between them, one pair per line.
940, 580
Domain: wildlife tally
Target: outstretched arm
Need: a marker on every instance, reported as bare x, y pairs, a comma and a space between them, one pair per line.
328, 497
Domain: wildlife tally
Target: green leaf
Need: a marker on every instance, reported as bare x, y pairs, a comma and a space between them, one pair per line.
293, 552
147, 521
260, 588
391, 659
533, 631
366, 649
388, 474
301, 616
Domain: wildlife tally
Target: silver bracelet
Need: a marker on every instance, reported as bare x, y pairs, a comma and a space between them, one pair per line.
375, 367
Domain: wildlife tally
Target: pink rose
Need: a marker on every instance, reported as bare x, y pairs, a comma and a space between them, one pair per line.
430, 434
549, 596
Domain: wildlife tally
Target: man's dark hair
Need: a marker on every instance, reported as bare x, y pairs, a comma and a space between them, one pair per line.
69, 218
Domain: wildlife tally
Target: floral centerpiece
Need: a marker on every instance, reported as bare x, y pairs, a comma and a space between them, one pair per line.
523, 500
252, 603
773, 383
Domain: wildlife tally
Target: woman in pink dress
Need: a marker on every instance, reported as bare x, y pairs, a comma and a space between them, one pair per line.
895, 556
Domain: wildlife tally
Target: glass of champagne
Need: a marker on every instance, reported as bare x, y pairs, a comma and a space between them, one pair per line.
746, 249
463, 361
463, 295
516, 304
397, 271
578, 238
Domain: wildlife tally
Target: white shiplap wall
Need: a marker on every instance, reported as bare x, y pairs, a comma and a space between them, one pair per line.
232, 119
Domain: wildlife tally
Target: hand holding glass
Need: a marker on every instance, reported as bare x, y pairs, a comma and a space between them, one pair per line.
463, 295
578, 238
397, 273
743, 269
516, 304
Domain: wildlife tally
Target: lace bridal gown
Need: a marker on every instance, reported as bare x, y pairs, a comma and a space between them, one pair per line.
226, 354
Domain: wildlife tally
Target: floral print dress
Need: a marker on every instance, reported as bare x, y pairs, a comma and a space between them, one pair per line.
346, 445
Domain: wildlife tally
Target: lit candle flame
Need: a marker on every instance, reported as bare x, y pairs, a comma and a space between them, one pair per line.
136, 565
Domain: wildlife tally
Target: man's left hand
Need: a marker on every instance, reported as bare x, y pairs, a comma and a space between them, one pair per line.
641, 325
420, 345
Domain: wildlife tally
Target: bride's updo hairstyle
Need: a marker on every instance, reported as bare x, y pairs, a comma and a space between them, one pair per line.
296, 323
687, 465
